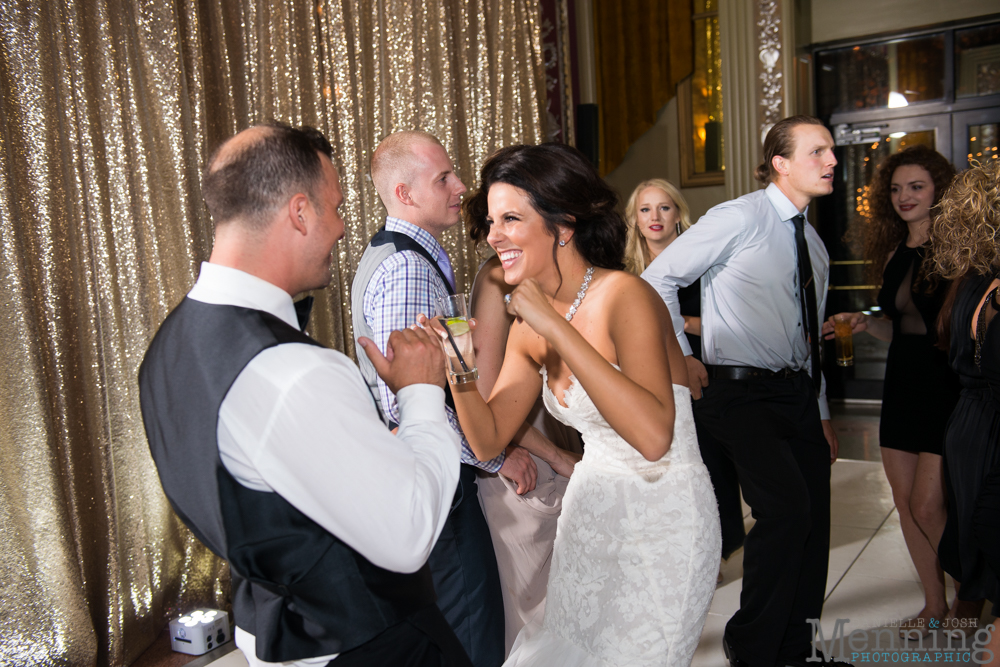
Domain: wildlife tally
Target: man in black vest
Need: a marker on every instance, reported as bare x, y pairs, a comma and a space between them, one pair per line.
270, 447
403, 270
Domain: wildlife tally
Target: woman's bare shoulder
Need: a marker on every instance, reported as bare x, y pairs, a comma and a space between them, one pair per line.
490, 271
630, 290
489, 284
623, 280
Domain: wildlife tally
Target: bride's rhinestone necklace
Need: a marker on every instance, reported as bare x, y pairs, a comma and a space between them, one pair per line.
579, 295
582, 293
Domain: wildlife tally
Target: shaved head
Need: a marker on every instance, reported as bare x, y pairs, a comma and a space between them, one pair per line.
395, 161
253, 173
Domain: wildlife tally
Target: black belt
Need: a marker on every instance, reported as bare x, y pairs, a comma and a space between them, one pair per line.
750, 373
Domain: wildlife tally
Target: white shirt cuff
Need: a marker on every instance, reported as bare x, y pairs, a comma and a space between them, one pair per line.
421, 402
682, 340
824, 408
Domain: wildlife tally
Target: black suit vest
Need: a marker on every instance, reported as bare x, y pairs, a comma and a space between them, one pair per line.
299, 589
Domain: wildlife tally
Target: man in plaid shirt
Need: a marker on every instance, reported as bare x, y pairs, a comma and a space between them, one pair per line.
403, 270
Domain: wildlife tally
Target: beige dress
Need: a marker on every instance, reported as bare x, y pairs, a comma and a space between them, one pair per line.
523, 528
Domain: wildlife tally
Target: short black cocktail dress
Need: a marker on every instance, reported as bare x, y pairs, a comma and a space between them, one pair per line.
920, 389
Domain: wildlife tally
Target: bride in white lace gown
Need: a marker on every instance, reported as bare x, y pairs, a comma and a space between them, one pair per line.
637, 549
637, 546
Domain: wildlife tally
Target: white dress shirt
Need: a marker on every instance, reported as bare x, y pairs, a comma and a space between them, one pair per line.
300, 421
744, 252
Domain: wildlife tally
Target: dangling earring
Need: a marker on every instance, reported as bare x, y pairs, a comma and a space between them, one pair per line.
562, 242
677, 226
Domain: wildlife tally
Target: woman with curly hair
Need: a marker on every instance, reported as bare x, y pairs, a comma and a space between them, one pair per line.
637, 546
656, 215
920, 390
965, 241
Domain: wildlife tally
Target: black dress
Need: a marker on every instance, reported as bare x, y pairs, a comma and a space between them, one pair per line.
972, 450
920, 389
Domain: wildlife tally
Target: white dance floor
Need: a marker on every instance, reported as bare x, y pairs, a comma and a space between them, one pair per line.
871, 580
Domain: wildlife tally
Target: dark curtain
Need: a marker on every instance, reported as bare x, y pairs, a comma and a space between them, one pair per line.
643, 49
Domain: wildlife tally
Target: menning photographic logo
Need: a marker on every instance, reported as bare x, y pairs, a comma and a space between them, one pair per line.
912, 646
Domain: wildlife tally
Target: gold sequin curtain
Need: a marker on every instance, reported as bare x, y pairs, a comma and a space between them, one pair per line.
108, 110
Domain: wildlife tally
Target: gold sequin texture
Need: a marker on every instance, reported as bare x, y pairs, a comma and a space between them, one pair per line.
109, 110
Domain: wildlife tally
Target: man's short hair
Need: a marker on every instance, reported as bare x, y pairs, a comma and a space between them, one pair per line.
392, 161
250, 183
779, 141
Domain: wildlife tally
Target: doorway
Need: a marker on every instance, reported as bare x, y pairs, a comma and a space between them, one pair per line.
938, 87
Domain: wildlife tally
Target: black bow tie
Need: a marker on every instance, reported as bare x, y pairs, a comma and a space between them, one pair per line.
302, 309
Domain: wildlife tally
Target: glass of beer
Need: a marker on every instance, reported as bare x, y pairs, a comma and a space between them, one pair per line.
453, 315
844, 339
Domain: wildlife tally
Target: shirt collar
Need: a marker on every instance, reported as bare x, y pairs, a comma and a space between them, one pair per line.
785, 209
418, 234
225, 286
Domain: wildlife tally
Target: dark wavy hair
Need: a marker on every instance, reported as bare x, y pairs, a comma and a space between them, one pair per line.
565, 189
885, 229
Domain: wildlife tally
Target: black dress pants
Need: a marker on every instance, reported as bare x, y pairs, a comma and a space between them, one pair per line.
771, 430
466, 579
422, 640
727, 489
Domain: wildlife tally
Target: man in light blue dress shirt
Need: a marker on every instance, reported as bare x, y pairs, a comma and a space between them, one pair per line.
755, 392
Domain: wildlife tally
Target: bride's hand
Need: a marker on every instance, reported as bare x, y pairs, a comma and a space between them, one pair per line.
530, 304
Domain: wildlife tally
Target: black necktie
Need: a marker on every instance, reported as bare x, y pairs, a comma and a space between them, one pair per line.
807, 296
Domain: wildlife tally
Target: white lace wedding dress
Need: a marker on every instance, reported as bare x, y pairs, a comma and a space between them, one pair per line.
636, 553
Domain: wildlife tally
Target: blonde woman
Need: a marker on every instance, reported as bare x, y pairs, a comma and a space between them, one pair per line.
656, 214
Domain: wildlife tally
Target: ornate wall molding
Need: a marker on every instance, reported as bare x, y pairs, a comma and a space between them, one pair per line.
558, 71
770, 65
758, 44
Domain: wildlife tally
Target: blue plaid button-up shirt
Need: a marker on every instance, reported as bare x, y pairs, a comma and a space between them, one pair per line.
403, 286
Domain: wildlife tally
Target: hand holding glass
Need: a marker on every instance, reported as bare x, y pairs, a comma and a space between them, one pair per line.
844, 339
453, 315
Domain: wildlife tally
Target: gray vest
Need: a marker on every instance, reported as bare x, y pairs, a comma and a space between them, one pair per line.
383, 245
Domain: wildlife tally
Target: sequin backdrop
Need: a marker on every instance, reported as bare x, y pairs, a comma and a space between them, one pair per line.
109, 108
